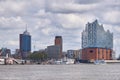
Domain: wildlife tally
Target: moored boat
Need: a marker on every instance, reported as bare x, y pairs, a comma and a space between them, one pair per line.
99, 62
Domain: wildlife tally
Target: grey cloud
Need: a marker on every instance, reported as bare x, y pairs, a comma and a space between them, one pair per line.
70, 8
86, 6
88, 1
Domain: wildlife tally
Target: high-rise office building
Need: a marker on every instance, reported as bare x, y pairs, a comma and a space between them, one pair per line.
25, 44
58, 42
96, 42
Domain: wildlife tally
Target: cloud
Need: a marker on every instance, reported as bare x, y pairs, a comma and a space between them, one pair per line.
72, 21
112, 17
69, 7
11, 23
46, 31
41, 13
13, 43
87, 1
10, 7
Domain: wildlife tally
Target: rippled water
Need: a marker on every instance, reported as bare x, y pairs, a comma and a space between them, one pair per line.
60, 72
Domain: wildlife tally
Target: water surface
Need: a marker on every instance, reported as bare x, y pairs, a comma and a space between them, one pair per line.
60, 72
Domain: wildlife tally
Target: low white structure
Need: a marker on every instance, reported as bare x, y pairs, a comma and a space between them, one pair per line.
2, 61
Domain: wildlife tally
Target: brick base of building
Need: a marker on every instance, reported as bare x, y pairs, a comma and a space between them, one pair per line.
96, 54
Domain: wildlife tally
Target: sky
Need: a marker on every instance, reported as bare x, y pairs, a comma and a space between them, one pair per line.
46, 19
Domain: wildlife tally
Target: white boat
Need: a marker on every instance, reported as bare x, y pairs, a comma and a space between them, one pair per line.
99, 62
68, 61
58, 62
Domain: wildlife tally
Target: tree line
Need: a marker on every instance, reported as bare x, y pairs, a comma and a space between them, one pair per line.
38, 56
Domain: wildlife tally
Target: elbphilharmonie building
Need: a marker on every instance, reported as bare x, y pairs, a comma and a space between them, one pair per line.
96, 42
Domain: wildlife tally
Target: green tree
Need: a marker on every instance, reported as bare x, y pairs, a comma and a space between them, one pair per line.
38, 56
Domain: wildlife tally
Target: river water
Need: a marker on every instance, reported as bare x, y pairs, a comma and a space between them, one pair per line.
60, 72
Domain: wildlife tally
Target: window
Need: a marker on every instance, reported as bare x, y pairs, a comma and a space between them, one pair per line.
91, 51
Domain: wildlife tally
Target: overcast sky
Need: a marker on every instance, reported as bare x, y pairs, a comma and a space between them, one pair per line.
48, 18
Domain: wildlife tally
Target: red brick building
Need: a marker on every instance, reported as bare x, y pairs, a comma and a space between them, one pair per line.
96, 54
58, 42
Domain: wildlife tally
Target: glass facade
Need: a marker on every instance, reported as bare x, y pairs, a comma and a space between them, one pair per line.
94, 35
25, 44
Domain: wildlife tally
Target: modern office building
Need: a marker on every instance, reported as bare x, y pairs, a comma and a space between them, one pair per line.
25, 44
53, 52
58, 42
96, 42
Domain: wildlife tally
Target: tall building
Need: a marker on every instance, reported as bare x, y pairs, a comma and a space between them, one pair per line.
58, 42
25, 44
96, 42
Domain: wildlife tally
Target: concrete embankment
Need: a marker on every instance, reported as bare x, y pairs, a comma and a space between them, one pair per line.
112, 61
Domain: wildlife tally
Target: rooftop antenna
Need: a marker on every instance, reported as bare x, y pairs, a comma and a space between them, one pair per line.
26, 27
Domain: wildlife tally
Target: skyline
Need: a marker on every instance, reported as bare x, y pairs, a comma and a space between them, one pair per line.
49, 18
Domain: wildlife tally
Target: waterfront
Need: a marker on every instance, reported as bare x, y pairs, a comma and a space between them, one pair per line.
60, 72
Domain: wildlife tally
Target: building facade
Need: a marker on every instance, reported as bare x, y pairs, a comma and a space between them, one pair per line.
78, 54
17, 54
96, 42
5, 52
70, 54
59, 42
74, 54
53, 52
25, 44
